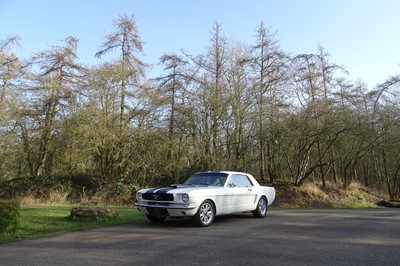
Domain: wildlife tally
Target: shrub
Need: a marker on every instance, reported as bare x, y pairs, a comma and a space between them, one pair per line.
9, 216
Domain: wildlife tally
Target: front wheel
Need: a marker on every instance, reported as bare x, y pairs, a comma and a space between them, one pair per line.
205, 215
261, 210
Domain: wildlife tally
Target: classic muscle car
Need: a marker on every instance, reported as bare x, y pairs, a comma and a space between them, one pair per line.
205, 195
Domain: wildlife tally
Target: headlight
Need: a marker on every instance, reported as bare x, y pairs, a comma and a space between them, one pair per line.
139, 196
185, 198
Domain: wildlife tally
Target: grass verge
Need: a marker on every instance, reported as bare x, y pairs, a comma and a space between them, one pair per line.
45, 221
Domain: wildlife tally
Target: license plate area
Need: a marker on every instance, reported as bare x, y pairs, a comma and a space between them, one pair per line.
157, 211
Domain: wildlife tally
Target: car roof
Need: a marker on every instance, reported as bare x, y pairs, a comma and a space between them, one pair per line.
225, 172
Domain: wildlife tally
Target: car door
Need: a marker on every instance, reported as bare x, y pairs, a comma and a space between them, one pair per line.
240, 194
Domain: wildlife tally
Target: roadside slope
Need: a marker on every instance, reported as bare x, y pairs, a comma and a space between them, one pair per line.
313, 196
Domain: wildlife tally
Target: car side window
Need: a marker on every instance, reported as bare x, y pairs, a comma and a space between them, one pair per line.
241, 181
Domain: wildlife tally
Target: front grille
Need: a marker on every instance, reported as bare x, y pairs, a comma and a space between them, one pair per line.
158, 196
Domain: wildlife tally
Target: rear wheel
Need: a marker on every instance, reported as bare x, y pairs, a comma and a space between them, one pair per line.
155, 219
205, 215
261, 210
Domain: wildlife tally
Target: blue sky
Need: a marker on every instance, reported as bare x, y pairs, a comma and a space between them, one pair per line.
361, 35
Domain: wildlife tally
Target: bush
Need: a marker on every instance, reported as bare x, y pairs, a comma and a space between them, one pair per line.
9, 216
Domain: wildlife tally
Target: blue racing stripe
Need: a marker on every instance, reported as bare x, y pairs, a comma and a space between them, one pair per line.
160, 190
166, 189
163, 190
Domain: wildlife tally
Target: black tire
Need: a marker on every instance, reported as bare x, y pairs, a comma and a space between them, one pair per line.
262, 208
205, 214
155, 219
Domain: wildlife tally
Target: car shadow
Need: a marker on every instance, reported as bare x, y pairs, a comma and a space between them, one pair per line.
187, 221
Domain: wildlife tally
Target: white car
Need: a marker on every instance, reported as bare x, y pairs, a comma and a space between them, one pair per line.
206, 195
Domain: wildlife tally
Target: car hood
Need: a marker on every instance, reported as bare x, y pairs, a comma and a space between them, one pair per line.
178, 189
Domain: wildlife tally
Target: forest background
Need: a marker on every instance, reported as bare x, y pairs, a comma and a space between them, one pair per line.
109, 129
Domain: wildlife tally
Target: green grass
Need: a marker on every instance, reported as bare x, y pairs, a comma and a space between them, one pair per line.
42, 221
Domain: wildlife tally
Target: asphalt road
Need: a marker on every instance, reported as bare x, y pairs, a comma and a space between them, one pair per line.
284, 237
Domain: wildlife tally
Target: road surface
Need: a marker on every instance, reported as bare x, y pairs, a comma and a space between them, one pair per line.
284, 237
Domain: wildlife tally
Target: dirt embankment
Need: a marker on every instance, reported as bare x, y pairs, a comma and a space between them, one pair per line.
85, 189
313, 196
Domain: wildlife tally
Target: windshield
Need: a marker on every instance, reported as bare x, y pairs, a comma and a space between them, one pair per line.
207, 179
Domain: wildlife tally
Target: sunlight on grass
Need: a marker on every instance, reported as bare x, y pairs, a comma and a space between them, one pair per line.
53, 220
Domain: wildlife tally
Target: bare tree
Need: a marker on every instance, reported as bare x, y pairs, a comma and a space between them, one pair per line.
211, 82
215, 68
314, 83
386, 127
58, 74
10, 74
239, 125
172, 83
9, 66
270, 67
127, 42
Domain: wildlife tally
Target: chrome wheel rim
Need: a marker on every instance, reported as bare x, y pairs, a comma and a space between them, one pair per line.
206, 213
262, 206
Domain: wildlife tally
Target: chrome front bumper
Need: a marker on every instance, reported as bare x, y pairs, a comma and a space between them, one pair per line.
172, 210
165, 206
